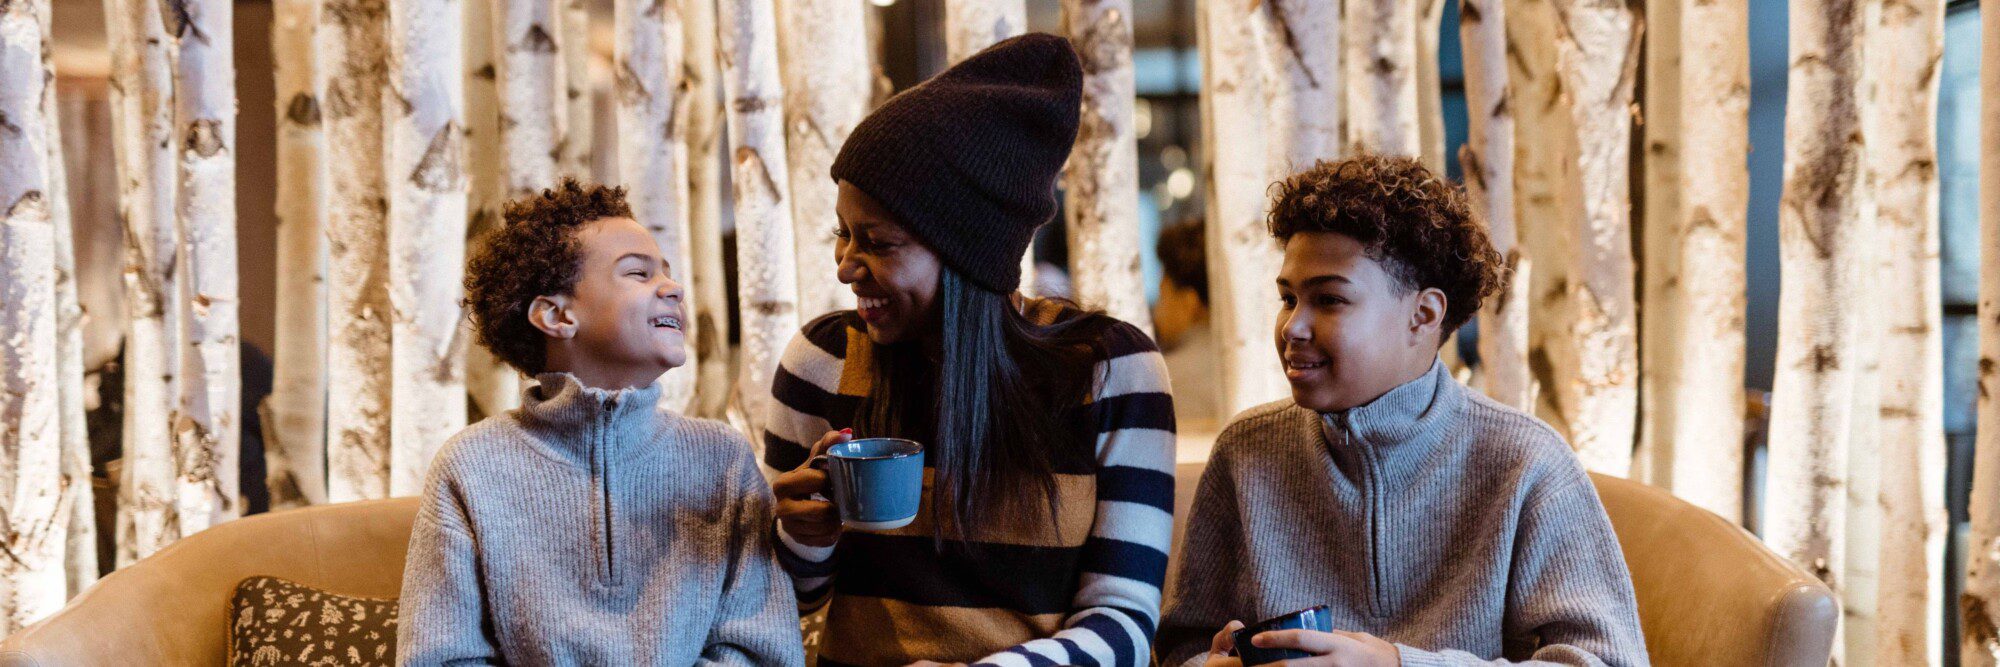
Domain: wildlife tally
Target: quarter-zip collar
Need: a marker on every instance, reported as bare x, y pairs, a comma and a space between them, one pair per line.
586, 426
1411, 410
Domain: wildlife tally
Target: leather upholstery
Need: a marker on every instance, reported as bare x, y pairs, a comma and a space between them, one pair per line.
171, 608
1709, 592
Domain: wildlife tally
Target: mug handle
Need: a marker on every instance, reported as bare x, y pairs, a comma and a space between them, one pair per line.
818, 463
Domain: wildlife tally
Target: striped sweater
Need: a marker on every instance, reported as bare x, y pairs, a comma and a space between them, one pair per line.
1086, 593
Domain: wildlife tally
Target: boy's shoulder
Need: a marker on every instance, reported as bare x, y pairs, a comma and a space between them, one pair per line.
1262, 427
712, 444
1498, 430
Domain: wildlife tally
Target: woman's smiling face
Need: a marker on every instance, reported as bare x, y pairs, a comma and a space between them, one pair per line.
893, 275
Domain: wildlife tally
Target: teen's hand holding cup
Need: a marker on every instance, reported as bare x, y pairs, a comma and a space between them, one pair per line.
1302, 638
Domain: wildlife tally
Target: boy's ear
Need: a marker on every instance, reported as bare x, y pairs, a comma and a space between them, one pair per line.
1427, 319
552, 316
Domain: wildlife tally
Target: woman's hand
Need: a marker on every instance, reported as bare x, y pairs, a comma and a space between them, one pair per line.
1331, 649
811, 521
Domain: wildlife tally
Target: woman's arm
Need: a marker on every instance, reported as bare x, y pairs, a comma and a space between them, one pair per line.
1116, 606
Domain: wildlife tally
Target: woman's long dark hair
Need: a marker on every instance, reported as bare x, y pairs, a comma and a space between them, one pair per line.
1000, 410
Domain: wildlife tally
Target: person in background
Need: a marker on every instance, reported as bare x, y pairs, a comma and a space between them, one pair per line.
1180, 323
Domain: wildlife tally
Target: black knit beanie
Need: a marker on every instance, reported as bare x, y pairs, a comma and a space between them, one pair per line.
968, 160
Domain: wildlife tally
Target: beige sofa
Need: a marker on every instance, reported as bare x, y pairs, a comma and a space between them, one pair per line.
1709, 593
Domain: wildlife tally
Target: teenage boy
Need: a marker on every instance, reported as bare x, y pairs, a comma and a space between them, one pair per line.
1440, 527
588, 526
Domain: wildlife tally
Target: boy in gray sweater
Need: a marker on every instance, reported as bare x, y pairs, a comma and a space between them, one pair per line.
1440, 527
589, 527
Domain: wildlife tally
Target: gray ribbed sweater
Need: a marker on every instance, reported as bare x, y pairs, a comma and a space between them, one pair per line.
589, 527
1460, 529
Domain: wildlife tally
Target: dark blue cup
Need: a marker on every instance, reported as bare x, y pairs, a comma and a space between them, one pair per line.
1315, 618
878, 483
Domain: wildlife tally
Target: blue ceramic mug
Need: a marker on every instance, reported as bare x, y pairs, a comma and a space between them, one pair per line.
877, 483
1315, 618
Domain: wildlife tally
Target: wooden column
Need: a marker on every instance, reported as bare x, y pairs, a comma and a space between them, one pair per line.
767, 273
652, 154
823, 55
294, 416
1102, 177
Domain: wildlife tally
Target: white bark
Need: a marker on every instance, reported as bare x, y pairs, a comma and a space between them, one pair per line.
494, 386
1430, 106
1487, 160
1697, 106
427, 216
142, 117
574, 45
709, 295
80, 541
295, 413
1299, 44
1824, 206
652, 152
1904, 51
1379, 50
207, 432
1573, 135
352, 42
1102, 176
532, 91
823, 53
972, 25
1242, 255
969, 27
1979, 636
33, 581
767, 274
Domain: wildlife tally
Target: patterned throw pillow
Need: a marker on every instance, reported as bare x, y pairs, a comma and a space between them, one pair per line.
277, 622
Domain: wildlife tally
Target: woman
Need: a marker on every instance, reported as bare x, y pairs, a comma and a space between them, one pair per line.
1048, 510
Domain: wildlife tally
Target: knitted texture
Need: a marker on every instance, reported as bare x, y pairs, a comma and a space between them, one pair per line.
1462, 530
968, 160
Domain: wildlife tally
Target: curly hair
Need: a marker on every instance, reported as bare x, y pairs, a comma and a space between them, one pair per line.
1415, 223
533, 253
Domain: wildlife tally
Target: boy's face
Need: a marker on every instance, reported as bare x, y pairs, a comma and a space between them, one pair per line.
893, 275
1348, 332
624, 314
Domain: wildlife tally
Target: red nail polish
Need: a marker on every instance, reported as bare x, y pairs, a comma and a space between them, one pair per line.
847, 431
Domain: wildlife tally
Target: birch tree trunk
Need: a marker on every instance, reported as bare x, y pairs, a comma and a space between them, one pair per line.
1824, 206
574, 45
1904, 49
352, 42
823, 55
1572, 186
427, 217
1487, 160
1242, 255
295, 413
1102, 176
1697, 197
709, 295
1299, 44
652, 153
1979, 636
494, 386
532, 91
1430, 106
32, 580
208, 431
142, 116
80, 541
1379, 48
969, 27
767, 274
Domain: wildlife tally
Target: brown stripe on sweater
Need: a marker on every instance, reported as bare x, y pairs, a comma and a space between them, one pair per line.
878, 631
